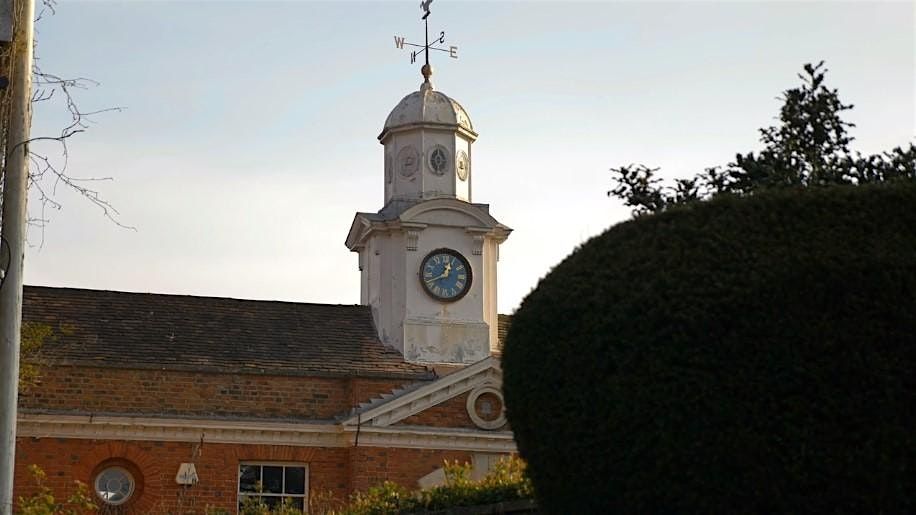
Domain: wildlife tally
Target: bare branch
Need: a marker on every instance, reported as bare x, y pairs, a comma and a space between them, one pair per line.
46, 174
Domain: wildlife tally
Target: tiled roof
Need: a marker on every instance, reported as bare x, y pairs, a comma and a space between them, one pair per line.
502, 329
143, 330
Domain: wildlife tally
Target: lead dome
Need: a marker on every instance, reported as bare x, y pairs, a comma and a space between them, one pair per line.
427, 107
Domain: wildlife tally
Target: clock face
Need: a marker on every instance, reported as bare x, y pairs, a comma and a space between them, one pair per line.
445, 275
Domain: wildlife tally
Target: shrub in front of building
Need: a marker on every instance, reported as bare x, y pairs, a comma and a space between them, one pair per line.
43, 502
738, 355
506, 482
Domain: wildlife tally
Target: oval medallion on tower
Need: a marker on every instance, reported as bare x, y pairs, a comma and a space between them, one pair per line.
438, 160
408, 161
463, 165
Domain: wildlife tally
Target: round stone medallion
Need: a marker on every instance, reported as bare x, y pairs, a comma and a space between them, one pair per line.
408, 161
486, 407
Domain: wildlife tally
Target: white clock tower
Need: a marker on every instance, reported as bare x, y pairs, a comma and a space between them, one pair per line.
428, 257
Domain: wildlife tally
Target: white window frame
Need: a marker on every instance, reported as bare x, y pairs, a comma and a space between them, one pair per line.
240, 495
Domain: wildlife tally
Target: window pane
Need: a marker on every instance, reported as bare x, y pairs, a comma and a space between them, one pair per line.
114, 485
273, 502
295, 480
248, 478
272, 481
297, 502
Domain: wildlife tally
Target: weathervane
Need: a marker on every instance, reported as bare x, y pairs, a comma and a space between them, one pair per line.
399, 42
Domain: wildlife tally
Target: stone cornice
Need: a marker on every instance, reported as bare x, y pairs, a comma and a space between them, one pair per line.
364, 225
431, 126
422, 438
112, 427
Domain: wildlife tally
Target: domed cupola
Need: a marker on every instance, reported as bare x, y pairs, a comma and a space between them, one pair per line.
427, 139
427, 107
427, 258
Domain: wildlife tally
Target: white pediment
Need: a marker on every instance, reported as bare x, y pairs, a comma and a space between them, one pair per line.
448, 211
485, 374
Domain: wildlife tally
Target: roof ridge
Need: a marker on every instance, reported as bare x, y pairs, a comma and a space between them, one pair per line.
183, 295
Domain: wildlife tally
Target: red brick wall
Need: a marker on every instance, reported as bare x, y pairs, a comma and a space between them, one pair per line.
158, 392
333, 472
66, 460
451, 413
373, 465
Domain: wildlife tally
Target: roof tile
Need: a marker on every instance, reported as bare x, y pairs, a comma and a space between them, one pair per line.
145, 330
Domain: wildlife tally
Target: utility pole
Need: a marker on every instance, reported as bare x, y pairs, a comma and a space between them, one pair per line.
13, 240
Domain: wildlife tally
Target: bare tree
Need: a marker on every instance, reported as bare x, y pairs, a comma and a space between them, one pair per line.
49, 154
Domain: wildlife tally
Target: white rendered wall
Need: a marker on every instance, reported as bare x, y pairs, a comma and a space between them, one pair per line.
424, 184
408, 319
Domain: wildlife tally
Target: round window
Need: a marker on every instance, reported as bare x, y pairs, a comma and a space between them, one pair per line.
438, 160
114, 485
486, 407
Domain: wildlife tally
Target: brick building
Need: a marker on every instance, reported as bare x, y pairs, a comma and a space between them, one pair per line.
168, 403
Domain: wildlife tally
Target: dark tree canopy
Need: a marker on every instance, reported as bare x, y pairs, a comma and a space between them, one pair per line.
741, 355
808, 147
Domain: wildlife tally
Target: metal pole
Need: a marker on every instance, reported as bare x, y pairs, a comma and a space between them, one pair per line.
13, 234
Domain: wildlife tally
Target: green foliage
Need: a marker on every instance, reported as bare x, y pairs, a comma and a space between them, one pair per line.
741, 355
809, 147
506, 482
33, 337
384, 499
257, 506
43, 502
319, 503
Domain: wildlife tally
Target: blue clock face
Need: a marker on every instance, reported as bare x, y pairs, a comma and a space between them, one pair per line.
445, 274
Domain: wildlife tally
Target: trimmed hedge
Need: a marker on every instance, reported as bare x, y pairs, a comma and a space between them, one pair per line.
733, 356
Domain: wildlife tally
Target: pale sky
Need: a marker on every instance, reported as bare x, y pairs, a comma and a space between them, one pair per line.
249, 136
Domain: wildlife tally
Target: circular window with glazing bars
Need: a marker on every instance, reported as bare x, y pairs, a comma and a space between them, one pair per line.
438, 160
114, 485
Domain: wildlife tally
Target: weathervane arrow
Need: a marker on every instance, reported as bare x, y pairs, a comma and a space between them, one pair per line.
400, 41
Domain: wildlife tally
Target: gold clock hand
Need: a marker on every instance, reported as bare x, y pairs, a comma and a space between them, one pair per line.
445, 273
440, 276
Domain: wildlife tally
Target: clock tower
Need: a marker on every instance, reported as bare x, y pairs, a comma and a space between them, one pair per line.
428, 258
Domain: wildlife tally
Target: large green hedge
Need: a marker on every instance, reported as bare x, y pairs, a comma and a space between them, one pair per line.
743, 355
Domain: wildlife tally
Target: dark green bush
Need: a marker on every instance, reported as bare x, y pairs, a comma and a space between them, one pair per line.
752, 355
